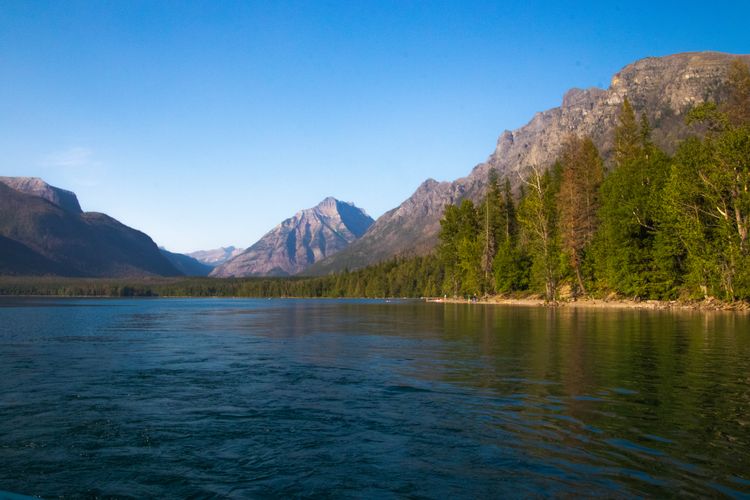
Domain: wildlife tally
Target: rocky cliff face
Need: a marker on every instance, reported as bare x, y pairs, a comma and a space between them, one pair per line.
217, 256
665, 88
308, 237
37, 187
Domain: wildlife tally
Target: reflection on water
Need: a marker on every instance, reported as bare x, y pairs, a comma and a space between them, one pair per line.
240, 398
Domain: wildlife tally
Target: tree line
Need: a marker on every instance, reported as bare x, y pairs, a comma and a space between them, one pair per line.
400, 277
652, 226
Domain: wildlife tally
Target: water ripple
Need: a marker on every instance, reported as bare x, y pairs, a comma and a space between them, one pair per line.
243, 398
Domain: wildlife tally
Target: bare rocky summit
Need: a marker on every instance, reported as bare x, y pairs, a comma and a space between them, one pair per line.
37, 187
308, 237
665, 88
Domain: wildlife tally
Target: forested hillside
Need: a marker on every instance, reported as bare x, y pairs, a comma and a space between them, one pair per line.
652, 226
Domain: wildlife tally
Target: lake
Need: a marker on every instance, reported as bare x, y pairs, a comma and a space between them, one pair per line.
236, 398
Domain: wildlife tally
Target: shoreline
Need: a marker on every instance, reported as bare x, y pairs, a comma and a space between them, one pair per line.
589, 303
585, 303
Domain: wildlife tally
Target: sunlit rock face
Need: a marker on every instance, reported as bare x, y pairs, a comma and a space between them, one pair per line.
308, 237
37, 187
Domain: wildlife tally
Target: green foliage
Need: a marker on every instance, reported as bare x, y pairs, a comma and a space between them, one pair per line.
512, 264
512, 268
469, 248
491, 215
628, 137
630, 213
537, 214
709, 203
478, 247
460, 249
708, 115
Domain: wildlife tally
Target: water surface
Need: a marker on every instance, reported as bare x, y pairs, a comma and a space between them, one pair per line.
173, 398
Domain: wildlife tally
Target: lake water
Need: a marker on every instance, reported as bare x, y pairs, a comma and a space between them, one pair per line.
173, 398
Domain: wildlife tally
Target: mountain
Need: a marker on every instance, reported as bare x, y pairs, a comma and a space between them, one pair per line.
185, 264
298, 242
665, 88
44, 232
217, 256
18, 259
37, 187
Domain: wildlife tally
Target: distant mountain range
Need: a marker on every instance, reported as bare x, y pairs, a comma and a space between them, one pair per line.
217, 256
44, 231
307, 237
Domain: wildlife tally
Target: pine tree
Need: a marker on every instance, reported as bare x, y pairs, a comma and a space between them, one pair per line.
512, 265
628, 138
490, 211
537, 215
508, 219
578, 200
469, 249
631, 198
447, 249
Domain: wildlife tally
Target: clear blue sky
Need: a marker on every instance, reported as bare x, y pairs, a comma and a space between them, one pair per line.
205, 124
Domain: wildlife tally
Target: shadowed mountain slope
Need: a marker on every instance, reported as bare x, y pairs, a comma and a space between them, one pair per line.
40, 236
185, 264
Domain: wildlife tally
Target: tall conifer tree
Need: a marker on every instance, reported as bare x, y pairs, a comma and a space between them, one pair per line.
578, 200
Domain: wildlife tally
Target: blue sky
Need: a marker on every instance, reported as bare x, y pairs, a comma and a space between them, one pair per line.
205, 124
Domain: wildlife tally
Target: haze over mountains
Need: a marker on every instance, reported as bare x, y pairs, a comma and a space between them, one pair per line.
44, 231
217, 256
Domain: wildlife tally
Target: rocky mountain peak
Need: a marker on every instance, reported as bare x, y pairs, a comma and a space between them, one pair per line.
299, 241
329, 202
37, 187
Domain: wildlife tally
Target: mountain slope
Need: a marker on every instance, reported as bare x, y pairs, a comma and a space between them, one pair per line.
16, 259
307, 237
41, 237
665, 88
185, 264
